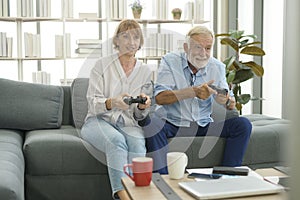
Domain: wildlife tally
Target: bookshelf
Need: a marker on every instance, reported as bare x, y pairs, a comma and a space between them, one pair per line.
101, 16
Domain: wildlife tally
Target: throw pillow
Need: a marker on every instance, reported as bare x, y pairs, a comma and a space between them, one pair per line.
29, 106
79, 102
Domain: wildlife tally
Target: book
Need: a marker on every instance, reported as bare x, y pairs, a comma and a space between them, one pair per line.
58, 46
90, 46
9, 43
87, 51
88, 41
87, 15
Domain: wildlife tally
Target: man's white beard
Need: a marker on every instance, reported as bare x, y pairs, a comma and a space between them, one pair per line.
199, 61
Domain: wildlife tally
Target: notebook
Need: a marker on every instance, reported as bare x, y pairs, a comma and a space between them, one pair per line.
230, 187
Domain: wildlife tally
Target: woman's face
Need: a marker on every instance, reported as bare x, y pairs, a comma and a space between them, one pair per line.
128, 42
199, 49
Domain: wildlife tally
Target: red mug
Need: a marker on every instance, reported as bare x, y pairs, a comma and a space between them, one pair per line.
142, 170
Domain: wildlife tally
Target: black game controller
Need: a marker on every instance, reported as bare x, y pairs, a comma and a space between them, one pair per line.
219, 90
138, 99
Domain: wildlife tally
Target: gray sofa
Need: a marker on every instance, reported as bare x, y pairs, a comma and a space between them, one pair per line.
43, 157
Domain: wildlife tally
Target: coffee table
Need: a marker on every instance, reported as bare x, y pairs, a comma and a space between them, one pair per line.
151, 192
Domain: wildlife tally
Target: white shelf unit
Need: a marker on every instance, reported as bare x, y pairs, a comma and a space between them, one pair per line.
18, 40
65, 62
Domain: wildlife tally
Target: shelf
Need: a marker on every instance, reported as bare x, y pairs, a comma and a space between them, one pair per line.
8, 58
85, 19
156, 21
164, 21
29, 19
43, 58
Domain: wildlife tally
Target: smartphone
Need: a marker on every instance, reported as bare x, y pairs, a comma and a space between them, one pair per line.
285, 182
204, 176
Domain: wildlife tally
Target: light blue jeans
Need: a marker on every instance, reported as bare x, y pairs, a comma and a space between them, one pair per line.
120, 144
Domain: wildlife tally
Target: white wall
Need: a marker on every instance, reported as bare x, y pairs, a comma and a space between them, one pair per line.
272, 61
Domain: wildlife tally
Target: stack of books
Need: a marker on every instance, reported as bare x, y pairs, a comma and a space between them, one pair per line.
89, 48
158, 44
41, 77
60, 46
32, 44
5, 45
117, 9
4, 8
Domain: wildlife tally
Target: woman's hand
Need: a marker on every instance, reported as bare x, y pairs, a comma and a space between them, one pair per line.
147, 103
118, 102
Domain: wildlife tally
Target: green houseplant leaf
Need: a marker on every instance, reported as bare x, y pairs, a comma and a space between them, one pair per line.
230, 42
238, 71
253, 50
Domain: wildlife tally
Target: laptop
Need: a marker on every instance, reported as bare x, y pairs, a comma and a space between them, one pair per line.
230, 187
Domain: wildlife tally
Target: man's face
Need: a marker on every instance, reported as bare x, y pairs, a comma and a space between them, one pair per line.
199, 49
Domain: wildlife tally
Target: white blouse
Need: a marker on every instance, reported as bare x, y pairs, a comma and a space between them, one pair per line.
107, 80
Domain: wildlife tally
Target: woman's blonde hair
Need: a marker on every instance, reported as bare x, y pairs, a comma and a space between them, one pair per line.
125, 25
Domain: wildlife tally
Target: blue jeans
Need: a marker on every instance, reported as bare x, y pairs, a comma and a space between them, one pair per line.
236, 131
120, 144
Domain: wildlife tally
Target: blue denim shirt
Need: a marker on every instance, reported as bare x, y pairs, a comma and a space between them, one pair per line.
174, 74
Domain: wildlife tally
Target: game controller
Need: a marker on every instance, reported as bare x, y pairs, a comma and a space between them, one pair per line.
219, 90
138, 99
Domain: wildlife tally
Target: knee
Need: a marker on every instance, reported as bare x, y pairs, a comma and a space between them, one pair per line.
245, 124
116, 142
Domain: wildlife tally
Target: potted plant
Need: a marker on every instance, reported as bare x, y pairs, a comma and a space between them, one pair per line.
238, 71
136, 8
176, 12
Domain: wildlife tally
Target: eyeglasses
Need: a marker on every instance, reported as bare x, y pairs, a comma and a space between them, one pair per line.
193, 79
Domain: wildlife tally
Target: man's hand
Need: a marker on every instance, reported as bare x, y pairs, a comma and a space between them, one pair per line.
203, 91
228, 101
147, 103
230, 104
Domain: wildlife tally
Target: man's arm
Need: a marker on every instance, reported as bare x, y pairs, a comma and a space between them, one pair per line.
172, 96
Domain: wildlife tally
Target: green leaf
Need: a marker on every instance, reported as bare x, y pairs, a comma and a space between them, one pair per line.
230, 42
257, 99
243, 43
249, 44
230, 76
229, 61
222, 35
253, 50
257, 69
242, 75
237, 65
244, 98
238, 106
249, 36
236, 34
236, 89
242, 66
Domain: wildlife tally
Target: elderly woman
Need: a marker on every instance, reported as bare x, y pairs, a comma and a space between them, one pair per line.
111, 125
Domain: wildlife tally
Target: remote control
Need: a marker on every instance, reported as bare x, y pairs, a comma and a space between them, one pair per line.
219, 90
230, 170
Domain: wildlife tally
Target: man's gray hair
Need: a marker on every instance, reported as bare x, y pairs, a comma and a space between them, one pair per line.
197, 30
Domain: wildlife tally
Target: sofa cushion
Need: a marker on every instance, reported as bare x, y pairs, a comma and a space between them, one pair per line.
79, 102
61, 152
12, 165
268, 141
28, 106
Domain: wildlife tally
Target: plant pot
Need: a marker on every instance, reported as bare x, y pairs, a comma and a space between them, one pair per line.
136, 13
177, 15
